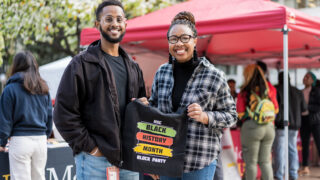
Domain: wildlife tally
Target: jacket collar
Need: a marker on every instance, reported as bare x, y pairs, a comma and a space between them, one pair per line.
94, 49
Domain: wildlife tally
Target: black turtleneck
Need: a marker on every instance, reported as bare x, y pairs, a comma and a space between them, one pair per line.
182, 72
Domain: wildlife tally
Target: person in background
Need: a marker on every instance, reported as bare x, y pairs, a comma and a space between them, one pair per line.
310, 120
195, 83
233, 90
25, 117
264, 68
256, 139
92, 96
297, 105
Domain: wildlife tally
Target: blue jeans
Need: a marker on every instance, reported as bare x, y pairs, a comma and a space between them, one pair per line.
279, 154
205, 173
91, 167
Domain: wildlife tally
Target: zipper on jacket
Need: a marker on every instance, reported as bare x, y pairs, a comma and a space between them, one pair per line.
121, 160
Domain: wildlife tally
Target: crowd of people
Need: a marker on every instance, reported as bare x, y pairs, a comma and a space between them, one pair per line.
260, 142
99, 82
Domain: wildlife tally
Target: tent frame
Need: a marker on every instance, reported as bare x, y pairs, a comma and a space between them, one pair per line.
285, 31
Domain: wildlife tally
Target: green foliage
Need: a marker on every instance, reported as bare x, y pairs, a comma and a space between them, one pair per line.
1, 48
51, 28
136, 8
51, 24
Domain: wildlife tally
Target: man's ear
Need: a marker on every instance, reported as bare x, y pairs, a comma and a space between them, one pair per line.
97, 24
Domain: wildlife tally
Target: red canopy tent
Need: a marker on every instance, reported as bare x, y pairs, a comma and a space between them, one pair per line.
231, 32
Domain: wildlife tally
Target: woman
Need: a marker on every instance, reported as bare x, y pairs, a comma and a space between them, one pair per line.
256, 139
310, 122
192, 82
26, 117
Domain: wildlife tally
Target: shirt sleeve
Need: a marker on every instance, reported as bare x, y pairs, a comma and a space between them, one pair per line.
273, 96
142, 88
224, 115
66, 115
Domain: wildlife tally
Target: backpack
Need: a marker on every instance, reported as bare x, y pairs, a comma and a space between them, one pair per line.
261, 110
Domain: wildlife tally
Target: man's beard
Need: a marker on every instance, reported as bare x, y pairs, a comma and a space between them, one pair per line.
110, 39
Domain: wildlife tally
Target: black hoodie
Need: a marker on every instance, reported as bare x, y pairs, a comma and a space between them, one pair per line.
297, 105
22, 113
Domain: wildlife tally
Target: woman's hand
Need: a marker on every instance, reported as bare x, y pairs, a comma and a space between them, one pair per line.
154, 176
195, 112
2, 149
144, 100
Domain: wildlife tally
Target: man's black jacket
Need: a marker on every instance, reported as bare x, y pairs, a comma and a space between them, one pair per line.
297, 105
86, 109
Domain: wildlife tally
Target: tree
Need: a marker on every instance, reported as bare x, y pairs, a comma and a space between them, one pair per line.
1, 48
136, 8
44, 23
51, 28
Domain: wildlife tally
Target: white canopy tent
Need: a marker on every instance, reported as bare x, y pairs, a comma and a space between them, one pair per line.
52, 73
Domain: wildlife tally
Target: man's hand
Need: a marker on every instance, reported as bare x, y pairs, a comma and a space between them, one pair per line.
195, 112
96, 152
2, 149
144, 100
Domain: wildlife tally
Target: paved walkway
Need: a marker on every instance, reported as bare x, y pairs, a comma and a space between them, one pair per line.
314, 174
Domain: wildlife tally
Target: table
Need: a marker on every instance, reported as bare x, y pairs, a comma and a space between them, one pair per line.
60, 164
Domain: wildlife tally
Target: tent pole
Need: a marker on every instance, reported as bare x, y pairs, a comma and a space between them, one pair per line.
286, 98
296, 77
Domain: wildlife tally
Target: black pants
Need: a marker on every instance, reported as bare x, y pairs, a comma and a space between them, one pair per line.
307, 128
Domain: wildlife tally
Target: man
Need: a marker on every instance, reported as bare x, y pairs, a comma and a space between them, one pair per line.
232, 86
92, 96
297, 105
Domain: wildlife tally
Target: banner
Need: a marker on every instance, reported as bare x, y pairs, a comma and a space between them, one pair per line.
60, 164
153, 142
228, 157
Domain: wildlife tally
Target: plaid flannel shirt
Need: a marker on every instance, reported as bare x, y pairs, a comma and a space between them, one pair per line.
207, 87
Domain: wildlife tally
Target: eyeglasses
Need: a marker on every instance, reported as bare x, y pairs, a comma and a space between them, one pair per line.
185, 38
109, 19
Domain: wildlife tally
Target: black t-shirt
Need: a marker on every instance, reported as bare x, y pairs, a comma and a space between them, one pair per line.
119, 71
182, 73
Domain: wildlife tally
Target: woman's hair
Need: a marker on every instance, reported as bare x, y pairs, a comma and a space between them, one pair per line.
254, 80
26, 63
314, 78
184, 18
